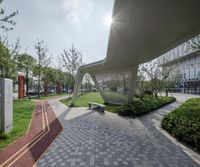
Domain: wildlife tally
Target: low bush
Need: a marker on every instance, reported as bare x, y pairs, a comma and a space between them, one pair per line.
184, 123
140, 107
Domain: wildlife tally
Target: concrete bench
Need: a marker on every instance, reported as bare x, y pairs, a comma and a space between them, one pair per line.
100, 106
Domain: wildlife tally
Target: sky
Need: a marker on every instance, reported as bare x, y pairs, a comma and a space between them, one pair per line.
60, 23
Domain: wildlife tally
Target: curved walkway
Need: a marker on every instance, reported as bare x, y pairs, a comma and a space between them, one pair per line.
92, 139
43, 130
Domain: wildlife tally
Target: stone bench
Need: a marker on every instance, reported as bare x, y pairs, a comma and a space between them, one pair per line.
100, 106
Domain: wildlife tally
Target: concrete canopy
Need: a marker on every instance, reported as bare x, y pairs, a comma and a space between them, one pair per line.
143, 30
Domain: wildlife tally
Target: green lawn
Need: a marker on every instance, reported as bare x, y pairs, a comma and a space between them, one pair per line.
184, 123
51, 96
136, 108
82, 101
22, 112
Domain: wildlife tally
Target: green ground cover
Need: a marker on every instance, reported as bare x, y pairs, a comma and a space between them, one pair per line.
184, 123
22, 112
136, 108
50, 96
82, 101
140, 107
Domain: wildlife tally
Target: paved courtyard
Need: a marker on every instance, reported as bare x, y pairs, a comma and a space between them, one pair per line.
90, 138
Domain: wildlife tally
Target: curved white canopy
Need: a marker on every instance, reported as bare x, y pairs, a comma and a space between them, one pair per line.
145, 29
141, 31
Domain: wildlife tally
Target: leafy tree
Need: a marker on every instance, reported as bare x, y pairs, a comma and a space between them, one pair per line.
7, 59
26, 64
42, 62
49, 78
7, 66
111, 84
6, 21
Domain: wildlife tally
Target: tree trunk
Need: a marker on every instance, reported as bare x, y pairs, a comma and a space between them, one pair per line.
166, 91
27, 82
38, 88
156, 95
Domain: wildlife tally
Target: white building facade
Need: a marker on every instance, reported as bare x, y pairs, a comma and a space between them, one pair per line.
187, 62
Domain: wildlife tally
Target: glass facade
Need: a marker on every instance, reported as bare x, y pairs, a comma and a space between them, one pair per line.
115, 86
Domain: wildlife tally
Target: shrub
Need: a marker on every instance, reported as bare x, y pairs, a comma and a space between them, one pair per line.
184, 123
139, 107
3, 135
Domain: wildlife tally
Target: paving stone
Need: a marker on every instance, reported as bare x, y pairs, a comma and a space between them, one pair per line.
91, 139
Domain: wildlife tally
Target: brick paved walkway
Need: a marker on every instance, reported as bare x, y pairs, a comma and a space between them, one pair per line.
93, 139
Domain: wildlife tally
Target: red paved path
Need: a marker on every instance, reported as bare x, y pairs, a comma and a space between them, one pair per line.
44, 128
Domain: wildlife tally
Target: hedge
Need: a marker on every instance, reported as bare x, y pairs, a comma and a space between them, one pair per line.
184, 123
140, 107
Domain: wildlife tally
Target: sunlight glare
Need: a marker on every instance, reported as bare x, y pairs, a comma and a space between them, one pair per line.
108, 20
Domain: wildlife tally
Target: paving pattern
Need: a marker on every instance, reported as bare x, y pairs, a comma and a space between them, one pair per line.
93, 139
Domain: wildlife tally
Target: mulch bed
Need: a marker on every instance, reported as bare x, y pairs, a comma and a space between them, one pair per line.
44, 129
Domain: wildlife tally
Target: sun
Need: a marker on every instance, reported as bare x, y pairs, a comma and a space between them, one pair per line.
108, 20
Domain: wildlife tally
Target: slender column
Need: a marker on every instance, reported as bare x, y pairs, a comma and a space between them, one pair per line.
133, 83
78, 82
98, 87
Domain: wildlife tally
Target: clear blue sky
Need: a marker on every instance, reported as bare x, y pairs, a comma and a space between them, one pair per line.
60, 23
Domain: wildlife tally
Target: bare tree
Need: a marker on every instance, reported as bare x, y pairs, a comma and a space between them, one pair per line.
194, 43
42, 62
158, 77
72, 60
154, 75
87, 82
6, 21
141, 82
170, 76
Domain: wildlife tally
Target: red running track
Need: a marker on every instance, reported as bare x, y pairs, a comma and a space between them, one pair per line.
43, 130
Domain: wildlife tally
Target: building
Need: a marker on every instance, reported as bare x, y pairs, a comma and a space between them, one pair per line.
187, 63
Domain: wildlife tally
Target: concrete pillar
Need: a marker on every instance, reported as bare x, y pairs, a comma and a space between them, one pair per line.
98, 87
77, 86
131, 94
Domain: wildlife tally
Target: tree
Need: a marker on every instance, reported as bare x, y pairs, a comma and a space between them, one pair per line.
72, 60
42, 62
154, 76
141, 82
123, 76
6, 21
70, 82
87, 82
7, 58
26, 64
194, 44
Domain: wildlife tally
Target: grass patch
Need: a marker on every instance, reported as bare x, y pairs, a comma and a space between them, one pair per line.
22, 112
50, 96
136, 108
184, 123
82, 101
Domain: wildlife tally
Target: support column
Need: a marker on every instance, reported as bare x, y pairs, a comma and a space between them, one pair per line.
98, 87
78, 82
133, 83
